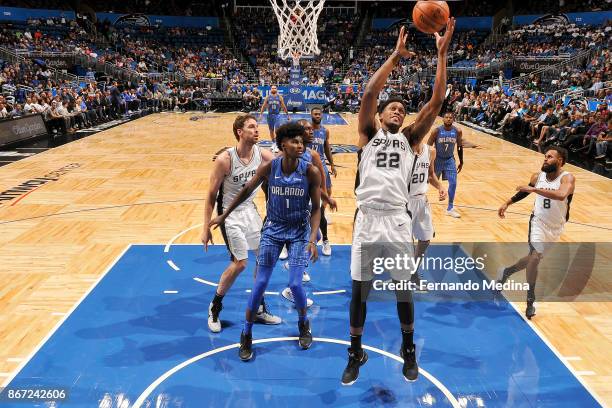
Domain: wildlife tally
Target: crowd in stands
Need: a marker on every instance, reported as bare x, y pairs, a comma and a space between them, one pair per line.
560, 6
189, 52
200, 53
556, 39
257, 34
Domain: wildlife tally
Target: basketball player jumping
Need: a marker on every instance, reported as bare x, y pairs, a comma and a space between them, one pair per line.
320, 143
384, 171
445, 138
273, 102
292, 219
241, 231
554, 188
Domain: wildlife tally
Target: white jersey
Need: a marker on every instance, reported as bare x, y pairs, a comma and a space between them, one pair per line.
384, 169
240, 174
420, 172
553, 213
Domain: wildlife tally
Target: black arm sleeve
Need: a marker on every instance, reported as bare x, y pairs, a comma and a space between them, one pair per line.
520, 195
460, 153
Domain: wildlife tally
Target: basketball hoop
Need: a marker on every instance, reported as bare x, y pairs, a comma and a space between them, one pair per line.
298, 27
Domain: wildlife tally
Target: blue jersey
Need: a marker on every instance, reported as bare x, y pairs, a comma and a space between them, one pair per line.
445, 143
288, 196
274, 104
318, 142
307, 156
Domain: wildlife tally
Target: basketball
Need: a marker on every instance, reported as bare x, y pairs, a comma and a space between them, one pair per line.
430, 16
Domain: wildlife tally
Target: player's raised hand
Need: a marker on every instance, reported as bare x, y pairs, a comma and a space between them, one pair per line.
314, 253
502, 210
400, 46
206, 238
443, 41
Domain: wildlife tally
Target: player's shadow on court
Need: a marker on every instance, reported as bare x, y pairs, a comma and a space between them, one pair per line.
181, 316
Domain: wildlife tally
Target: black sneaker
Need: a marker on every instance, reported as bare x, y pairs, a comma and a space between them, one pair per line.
355, 360
410, 368
531, 310
305, 339
246, 352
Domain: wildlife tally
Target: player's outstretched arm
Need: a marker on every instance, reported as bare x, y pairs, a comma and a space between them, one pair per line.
367, 111
518, 196
425, 118
314, 183
261, 174
220, 170
568, 183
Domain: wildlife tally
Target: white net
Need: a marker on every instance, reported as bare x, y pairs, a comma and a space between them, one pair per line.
297, 20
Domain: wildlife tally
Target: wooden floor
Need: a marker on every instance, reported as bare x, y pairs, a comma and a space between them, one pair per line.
144, 182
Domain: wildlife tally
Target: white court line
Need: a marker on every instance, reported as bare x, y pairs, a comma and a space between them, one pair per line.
265, 293
572, 358
169, 244
586, 373
329, 292
559, 356
147, 392
172, 265
57, 326
204, 281
170, 292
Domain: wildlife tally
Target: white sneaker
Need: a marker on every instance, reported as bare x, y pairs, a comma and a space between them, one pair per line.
214, 323
284, 254
265, 317
453, 213
326, 250
305, 277
287, 294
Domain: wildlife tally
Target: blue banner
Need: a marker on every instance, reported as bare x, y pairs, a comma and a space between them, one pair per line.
23, 14
311, 94
463, 23
295, 98
591, 18
167, 21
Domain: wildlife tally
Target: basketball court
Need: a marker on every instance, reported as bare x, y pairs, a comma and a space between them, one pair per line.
106, 287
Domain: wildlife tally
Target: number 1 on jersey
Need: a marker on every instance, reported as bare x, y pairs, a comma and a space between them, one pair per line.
287, 202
